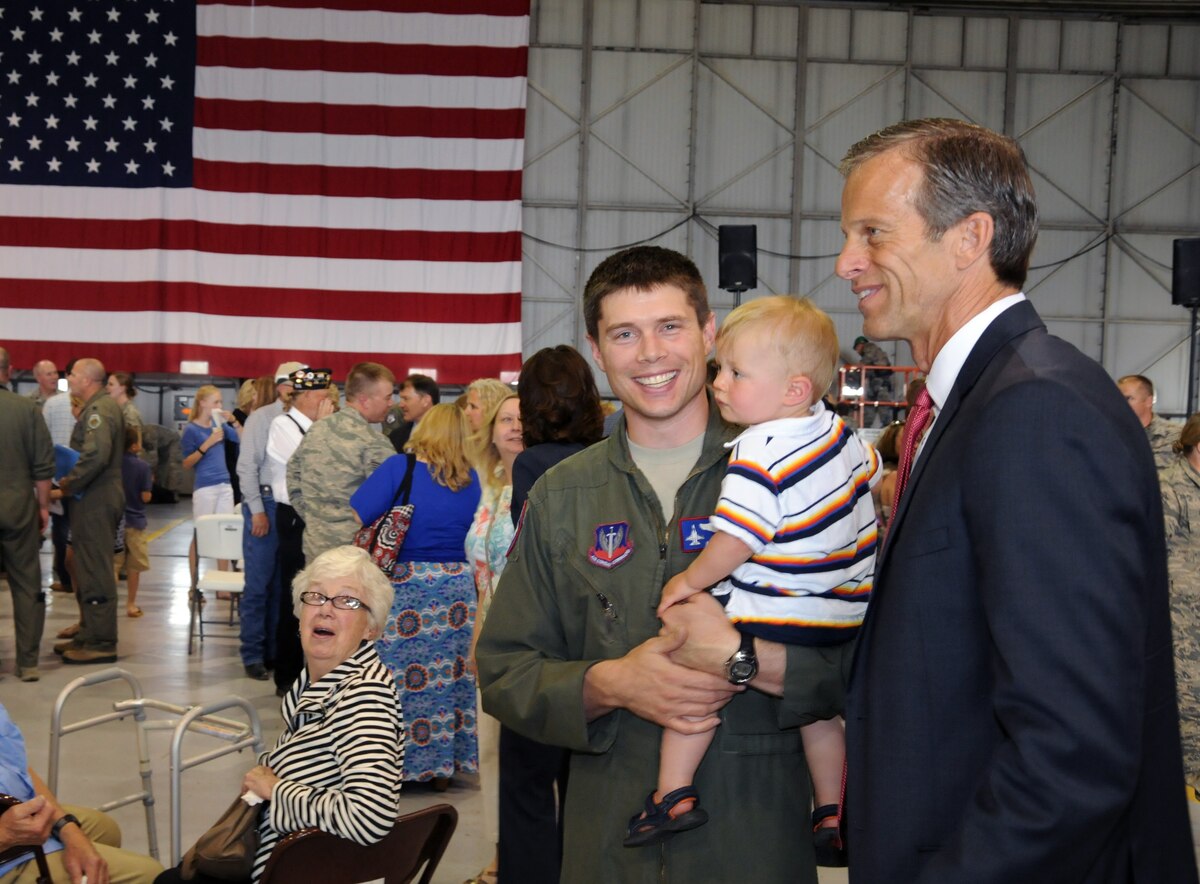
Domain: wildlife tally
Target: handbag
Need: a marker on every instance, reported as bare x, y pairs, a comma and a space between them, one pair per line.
383, 538
227, 850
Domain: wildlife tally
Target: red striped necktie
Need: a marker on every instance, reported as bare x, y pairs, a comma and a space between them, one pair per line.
914, 428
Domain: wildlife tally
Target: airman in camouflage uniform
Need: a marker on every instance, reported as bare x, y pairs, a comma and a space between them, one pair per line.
1181, 508
1161, 433
336, 455
26, 463
99, 437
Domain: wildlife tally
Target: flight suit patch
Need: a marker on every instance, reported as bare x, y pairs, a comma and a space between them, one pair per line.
694, 534
613, 545
94, 421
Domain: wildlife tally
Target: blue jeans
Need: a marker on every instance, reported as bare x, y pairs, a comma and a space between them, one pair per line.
260, 601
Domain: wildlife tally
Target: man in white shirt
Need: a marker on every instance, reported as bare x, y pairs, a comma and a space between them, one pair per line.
310, 403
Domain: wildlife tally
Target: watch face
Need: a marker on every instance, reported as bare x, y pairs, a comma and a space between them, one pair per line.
741, 671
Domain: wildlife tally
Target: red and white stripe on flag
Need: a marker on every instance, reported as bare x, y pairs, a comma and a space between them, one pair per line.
351, 189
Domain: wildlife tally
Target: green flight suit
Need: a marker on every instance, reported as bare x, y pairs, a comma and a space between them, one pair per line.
26, 456
558, 610
99, 437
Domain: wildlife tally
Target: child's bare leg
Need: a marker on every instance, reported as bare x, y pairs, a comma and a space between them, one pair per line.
825, 749
132, 579
679, 756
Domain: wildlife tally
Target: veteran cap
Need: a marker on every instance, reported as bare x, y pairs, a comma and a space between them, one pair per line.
311, 379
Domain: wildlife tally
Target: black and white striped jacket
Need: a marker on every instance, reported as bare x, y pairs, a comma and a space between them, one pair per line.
340, 757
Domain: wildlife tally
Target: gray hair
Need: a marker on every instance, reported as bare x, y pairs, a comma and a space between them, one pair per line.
967, 169
353, 563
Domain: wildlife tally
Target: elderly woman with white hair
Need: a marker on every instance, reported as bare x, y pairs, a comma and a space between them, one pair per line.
338, 763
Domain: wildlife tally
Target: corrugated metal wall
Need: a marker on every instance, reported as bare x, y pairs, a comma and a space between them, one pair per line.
670, 117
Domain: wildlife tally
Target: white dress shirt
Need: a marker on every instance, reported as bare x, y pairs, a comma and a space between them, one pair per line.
282, 442
953, 355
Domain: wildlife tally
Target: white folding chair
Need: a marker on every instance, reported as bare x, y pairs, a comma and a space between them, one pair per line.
217, 537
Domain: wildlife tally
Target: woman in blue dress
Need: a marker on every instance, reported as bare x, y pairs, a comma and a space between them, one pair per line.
427, 639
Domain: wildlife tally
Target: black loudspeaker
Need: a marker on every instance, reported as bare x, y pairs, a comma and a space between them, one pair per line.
738, 257
1185, 281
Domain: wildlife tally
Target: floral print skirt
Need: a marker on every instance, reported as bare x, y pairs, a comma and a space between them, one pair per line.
425, 645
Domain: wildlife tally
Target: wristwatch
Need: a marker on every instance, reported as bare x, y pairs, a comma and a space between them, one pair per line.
743, 665
62, 821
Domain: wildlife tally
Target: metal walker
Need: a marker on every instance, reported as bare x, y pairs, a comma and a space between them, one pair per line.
198, 719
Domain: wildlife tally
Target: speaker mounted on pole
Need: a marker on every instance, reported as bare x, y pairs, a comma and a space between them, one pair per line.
1185, 292
737, 260
1185, 278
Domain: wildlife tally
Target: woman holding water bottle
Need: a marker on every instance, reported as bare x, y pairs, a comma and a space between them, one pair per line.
204, 440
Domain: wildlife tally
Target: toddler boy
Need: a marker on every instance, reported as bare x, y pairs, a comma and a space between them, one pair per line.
794, 536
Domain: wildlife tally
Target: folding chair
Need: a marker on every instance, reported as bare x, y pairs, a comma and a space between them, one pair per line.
217, 537
418, 839
7, 801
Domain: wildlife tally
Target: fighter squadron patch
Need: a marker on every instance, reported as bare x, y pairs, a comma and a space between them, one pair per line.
694, 534
613, 545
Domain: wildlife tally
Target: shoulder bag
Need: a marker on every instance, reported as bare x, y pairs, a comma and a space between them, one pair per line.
383, 538
227, 850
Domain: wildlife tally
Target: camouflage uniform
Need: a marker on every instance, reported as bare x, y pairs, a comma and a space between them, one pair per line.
99, 437
1181, 505
26, 456
38, 397
133, 417
1162, 434
334, 457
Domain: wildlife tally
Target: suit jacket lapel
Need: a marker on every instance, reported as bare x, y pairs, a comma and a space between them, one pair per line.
1019, 319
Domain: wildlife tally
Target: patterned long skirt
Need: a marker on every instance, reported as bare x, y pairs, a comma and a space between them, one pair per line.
425, 645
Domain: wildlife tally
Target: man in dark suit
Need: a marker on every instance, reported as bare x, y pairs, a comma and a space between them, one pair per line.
1011, 714
418, 394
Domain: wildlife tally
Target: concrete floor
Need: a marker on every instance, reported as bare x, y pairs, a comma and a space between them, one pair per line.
100, 765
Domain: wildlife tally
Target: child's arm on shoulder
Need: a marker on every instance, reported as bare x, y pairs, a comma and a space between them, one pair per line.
716, 561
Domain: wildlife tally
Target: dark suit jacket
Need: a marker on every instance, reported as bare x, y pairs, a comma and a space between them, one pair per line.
529, 466
1011, 715
399, 436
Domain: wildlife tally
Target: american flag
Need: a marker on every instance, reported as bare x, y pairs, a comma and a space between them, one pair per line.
252, 181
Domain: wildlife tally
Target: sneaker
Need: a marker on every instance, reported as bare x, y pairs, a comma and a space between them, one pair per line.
61, 648
28, 673
257, 671
81, 656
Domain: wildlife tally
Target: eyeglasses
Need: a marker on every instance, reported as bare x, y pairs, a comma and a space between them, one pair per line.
341, 602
